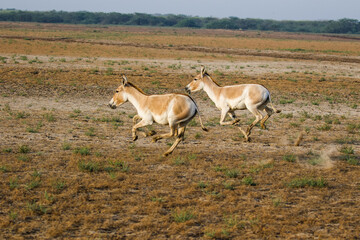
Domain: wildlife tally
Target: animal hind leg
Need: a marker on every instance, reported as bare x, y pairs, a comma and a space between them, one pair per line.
176, 131
179, 138
166, 135
258, 117
234, 122
269, 112
246, 136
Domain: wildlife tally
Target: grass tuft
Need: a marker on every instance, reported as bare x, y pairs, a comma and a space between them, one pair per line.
232, 173
36, 208
88, 166
202, 185
49, 117
183, 215
84, 151
248, 181
305, 181
347, 150
289, 158
24, 149
66, 146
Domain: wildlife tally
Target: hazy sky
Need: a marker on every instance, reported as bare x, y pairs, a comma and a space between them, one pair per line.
264, 9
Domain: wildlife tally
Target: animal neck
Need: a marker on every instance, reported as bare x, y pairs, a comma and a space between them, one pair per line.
136, 97
211, 88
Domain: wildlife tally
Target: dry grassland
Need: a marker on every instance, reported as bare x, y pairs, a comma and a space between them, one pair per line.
69, 169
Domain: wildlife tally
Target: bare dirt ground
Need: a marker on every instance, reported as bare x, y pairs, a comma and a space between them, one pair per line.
69, 168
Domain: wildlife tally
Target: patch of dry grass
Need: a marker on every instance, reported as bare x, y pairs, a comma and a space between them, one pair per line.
81, 174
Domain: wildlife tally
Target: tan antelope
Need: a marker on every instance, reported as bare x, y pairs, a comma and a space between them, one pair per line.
253, 97
177, 110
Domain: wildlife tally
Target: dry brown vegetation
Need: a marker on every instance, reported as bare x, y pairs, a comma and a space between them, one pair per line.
69, 169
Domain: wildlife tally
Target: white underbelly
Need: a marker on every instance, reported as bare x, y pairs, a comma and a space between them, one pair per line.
240, 106
236, 105
161, 119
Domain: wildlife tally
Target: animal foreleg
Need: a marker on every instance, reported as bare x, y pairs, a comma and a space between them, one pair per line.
233, 117
143, 132
135, 118
223, 116
140, 124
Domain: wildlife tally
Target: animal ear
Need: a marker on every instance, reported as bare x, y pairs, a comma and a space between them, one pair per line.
203, 71
124, 80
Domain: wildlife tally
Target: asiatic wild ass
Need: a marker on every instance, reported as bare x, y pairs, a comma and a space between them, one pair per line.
253, 97
177, 110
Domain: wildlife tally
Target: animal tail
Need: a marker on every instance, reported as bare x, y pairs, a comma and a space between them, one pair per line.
201, 123
272, 106
198, 112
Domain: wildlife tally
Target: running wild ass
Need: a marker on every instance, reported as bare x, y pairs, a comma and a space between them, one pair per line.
177, 110
253, 97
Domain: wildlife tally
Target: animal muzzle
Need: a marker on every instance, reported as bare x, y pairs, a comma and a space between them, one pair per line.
113, 106
187, 90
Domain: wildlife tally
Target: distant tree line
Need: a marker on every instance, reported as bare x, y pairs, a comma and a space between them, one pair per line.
140, 19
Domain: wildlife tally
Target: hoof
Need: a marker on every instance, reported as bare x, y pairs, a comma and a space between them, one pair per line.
135, 138
151, 133
235, 121
247, 139
166, 154
155, 139
263, 127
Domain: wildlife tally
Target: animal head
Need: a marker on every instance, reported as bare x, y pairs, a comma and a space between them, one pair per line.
197, 83
120, 95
